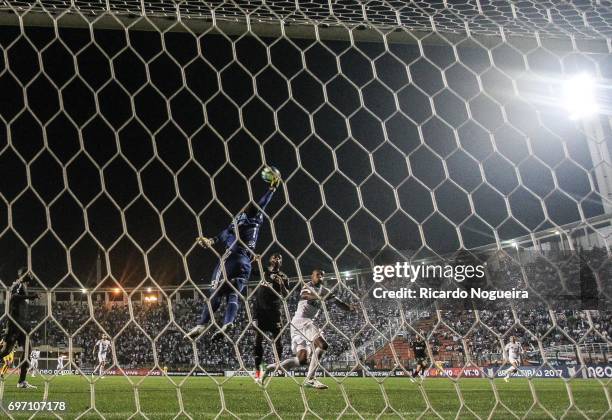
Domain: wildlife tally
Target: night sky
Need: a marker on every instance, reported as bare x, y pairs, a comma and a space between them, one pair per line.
132, 143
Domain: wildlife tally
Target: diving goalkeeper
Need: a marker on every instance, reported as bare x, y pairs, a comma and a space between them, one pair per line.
238, 240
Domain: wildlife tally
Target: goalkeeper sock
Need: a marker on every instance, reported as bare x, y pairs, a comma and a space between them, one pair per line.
215, 302
204, 317
231, 310
314, 363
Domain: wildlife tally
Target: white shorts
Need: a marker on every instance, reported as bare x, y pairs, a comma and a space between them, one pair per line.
303, 333
101, 357
34, 364
514, 361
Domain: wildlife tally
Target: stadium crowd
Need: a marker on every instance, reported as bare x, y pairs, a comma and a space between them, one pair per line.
133, 340
138, 328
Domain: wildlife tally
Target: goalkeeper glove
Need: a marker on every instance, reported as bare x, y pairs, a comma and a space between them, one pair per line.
205, 242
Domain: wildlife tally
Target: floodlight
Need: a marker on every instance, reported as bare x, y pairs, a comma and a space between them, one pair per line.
579, 96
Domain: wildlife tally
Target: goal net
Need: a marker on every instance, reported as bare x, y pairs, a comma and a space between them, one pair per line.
421, 132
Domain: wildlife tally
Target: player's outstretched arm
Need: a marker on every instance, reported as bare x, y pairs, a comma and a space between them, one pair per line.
253, 211
349, 307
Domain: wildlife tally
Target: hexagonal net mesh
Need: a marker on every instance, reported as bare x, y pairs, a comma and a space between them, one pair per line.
404, 131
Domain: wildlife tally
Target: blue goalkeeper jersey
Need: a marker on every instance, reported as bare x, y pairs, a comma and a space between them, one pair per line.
245, 227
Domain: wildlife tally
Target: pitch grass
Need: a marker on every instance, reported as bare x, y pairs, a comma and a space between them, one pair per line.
158, 398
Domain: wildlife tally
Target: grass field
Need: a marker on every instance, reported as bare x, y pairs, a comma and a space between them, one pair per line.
158, 397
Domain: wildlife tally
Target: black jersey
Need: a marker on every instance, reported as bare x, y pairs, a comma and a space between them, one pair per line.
272, 288
420, 349
19, 302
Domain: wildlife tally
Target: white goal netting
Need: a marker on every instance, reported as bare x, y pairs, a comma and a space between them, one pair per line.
404, 131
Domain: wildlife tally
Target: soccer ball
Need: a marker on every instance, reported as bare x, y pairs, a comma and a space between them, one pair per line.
270, 173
